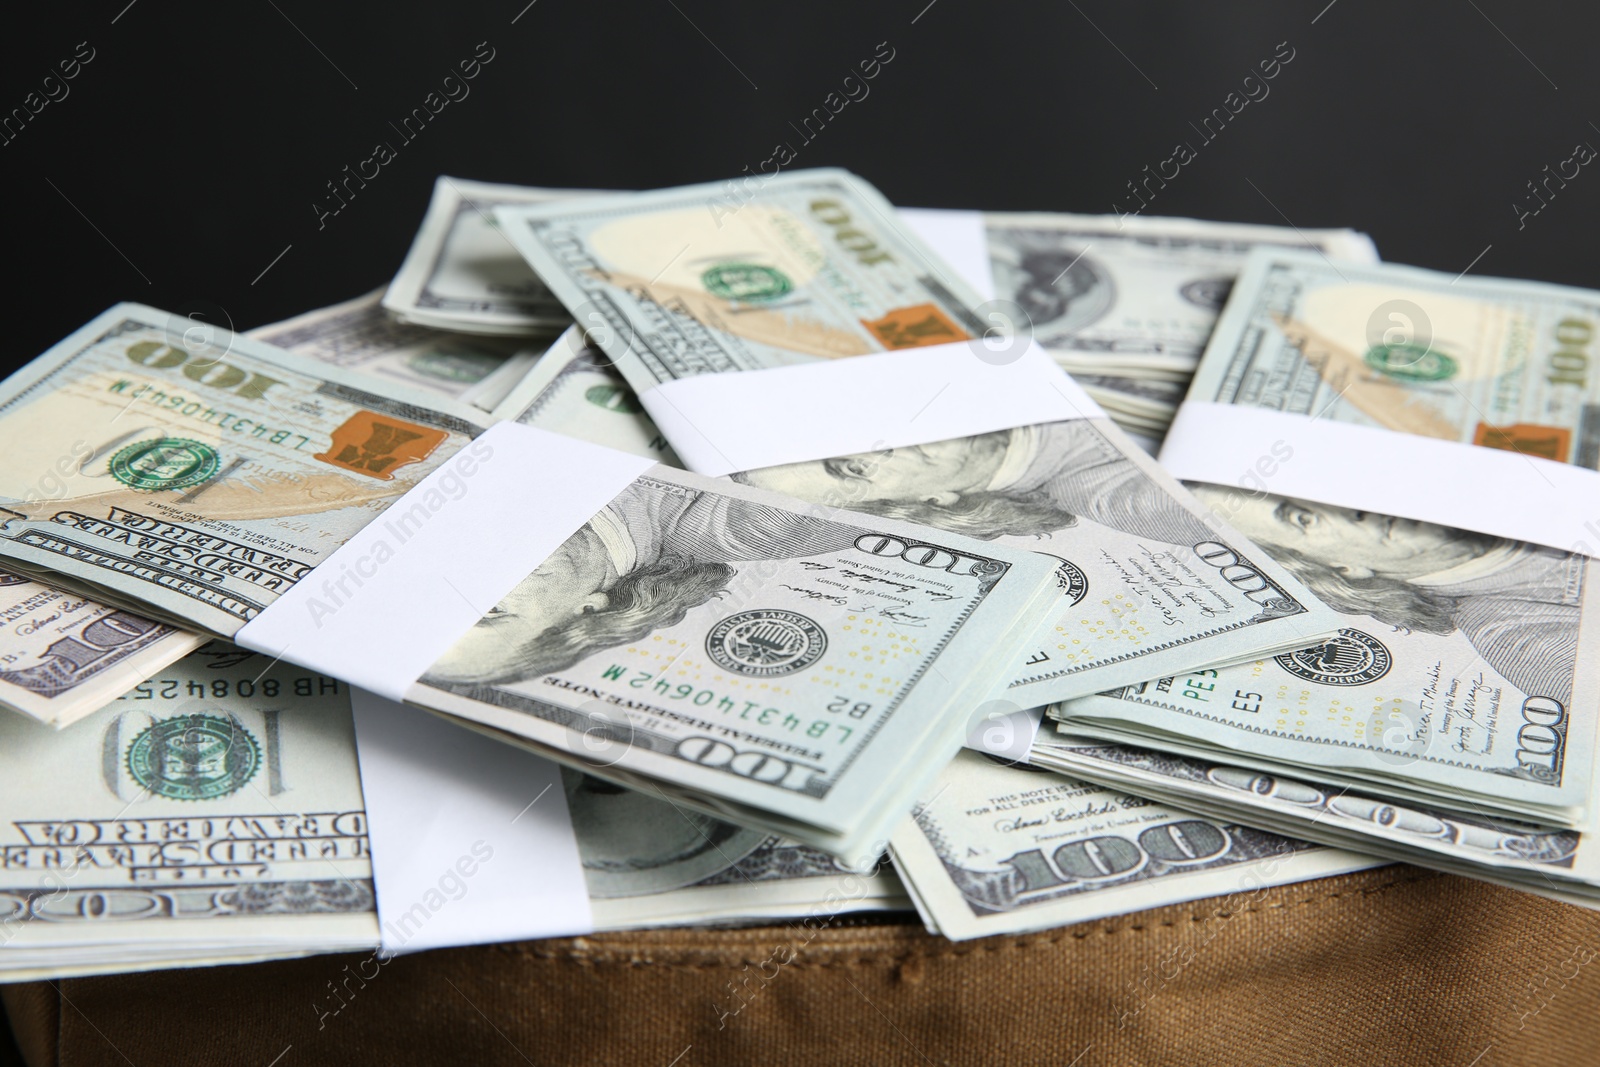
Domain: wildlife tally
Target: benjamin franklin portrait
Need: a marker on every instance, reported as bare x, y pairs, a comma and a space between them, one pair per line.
1518, 604
649, 557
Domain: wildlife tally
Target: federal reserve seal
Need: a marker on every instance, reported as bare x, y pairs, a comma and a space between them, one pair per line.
193, 757
749, 282
1348, 658
1070, 579
765, 644
164, 463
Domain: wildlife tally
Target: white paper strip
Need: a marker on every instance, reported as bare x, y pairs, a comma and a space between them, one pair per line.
959, 238
721, 423
400, 592
471, 840
1487, 490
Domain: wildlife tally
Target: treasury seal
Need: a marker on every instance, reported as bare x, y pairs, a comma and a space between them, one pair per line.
164, 463
749, 282
193, 757
1411, 363
765, 644
1348, 658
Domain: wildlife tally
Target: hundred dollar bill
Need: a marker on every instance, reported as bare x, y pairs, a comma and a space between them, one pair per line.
574, 390
647, 862
786, 666
63, 656
1461, 675
712, 278
210, 473
360, 336
462, 274
1145, 575
212, 812
1002, 848
1104, 292
1554, 861
1493, 362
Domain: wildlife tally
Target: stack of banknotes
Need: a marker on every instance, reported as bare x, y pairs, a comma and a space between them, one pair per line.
759, 684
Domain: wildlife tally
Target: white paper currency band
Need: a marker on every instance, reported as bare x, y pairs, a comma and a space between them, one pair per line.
721, 423
471, 838
400, 592
1487, 490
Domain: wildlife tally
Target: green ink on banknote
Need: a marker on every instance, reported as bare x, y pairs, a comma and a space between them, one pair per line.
165, 463
463, 367
1414, 363
613, 398
194, 757
746, 281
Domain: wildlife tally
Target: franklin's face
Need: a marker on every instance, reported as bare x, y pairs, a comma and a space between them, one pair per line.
938, 472
571, 582
1359, 543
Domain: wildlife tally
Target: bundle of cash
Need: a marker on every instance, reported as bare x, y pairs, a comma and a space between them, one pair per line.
1459, 678
461, 274
211, 814
788, 666
1126, 303
210, 472
360, 336
1553, 861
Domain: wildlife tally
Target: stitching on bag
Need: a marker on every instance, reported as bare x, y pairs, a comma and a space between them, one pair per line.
586, 955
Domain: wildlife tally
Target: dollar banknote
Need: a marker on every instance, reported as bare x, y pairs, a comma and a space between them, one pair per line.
360, 336
769, 272
206, 472
1555, 861
1105, 292
648, 862
784, 665
1492, 362
574, 390
63, 656
1461, 675
212, 812
462, 274
1000, 847
1145, 574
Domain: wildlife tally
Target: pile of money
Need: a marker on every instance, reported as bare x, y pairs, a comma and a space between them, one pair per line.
1452, 719
756, 684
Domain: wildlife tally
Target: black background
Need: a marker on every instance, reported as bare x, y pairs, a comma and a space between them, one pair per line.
191, 149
